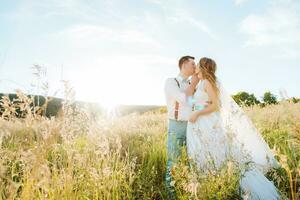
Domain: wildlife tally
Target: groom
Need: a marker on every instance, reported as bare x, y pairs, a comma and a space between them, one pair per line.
178, 92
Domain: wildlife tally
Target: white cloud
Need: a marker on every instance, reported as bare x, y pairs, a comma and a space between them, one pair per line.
32, 10
158, 2
278, 26
180, 16
178, 12
84, 17
239, 2
95, 34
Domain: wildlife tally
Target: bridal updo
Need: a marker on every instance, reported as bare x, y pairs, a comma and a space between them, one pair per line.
208, 69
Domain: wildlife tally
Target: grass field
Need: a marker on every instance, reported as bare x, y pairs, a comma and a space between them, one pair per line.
74, 157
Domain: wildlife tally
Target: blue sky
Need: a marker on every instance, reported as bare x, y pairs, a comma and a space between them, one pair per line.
120, 52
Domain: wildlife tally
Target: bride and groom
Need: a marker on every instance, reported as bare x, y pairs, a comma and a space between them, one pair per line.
205, 119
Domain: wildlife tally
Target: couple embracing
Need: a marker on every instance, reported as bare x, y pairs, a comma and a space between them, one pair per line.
205, 119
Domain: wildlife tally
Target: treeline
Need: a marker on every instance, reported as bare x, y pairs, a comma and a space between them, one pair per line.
49, 107
246, 99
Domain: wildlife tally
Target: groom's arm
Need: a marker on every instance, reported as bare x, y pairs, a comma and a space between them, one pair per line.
172, 90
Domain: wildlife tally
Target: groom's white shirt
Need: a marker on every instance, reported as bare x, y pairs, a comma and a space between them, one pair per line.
173, 93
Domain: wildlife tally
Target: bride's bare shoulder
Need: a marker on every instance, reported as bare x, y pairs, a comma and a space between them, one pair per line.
206, 83
207, 86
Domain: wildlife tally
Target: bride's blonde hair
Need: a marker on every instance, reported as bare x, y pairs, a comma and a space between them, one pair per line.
208, 68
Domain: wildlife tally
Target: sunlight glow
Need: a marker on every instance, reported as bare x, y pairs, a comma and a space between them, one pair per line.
110, 83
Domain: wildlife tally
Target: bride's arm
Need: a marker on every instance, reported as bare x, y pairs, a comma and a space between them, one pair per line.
172, 89
191, 88
212, 107
189, 92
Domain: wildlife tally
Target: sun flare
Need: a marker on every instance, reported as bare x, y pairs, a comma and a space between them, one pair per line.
109, 106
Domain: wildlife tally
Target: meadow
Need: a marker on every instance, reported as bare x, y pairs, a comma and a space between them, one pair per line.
74, 156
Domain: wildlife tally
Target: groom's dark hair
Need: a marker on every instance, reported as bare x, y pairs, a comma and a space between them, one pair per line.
183, 59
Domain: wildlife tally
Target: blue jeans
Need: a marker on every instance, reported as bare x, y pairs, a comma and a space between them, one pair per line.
175, 142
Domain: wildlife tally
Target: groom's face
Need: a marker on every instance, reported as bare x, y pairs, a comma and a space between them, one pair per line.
190, 66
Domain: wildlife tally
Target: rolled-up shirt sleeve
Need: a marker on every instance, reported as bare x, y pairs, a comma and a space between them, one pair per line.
172, 90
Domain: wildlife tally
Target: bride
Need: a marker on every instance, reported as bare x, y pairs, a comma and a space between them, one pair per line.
219, 128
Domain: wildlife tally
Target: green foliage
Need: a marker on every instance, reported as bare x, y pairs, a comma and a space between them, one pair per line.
295, 100
244, 98
216, 184
45, 106
269, 98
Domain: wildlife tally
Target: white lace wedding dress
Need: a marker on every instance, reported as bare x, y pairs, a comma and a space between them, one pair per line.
229, 132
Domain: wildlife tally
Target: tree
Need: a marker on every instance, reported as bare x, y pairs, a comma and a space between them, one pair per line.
244, 98
295, 100
269, 98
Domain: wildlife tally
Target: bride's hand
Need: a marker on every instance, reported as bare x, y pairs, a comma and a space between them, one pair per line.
194, 117
195, 79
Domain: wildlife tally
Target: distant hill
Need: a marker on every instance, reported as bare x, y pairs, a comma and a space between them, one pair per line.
120, 110
53, 108
55, 105
127, 109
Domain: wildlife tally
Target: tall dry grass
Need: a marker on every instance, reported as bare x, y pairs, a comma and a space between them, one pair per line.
74, 157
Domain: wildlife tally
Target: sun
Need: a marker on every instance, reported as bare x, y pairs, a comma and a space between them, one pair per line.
109, 106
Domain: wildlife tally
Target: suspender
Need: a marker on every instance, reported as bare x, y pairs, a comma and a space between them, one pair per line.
176, 103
